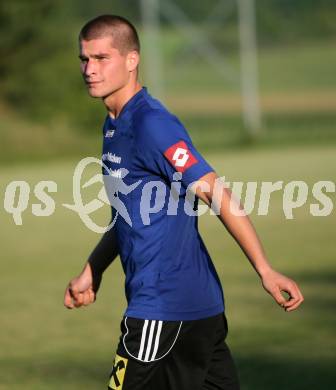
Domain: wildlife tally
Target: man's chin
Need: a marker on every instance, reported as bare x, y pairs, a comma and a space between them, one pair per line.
95, 94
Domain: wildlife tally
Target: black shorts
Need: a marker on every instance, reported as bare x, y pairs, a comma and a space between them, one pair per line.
173, 355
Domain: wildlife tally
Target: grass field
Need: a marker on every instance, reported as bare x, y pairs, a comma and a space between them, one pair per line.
308, 66
44, 346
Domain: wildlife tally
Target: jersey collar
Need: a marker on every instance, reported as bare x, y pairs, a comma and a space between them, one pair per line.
125, 112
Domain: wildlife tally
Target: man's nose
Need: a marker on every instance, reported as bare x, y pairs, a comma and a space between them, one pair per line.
90, 68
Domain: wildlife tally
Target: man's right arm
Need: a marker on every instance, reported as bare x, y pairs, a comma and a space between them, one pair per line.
82, 290
104, 253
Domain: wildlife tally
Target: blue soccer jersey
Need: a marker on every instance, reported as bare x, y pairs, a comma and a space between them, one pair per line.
152, 161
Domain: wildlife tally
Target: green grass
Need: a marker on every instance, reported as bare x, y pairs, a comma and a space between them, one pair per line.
25, 142
223, 131
44, 346
22, 140
299, 67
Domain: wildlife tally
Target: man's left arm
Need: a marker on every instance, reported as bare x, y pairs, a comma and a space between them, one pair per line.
212, 191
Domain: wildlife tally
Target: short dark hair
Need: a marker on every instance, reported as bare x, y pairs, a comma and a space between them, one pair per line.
124, 35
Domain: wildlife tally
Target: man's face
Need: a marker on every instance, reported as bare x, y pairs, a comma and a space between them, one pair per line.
104, 69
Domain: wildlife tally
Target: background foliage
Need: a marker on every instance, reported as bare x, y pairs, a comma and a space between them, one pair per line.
39, 66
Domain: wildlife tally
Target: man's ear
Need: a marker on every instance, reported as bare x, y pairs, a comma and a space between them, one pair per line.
133, 59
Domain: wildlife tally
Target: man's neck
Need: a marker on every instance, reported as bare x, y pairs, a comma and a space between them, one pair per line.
114, 103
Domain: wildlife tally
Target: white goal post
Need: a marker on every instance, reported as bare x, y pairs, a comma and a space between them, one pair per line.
248, 77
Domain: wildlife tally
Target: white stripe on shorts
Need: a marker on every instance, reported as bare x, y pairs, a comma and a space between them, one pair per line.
143, 338
150, 339
157, 339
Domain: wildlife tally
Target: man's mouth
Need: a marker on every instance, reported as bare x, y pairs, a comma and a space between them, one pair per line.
91, 83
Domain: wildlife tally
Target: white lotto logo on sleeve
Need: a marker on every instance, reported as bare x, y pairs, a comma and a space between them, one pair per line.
180, 156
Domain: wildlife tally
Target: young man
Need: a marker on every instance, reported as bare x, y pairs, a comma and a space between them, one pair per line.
173, 332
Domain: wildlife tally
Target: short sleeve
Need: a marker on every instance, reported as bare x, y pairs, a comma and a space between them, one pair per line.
165, 147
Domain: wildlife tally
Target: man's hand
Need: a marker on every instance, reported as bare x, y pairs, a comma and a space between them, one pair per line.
274, 283
81, 290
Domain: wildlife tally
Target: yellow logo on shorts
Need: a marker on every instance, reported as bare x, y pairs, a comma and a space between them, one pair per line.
118, 373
